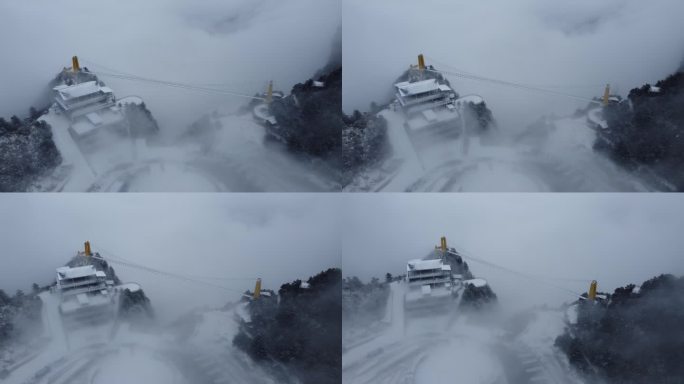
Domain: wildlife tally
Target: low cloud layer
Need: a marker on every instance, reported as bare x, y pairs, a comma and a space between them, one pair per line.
562, 240
238, 45
616, 239
575, 47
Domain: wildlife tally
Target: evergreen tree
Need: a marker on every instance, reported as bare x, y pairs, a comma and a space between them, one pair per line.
311, 120
27, 152
631, 337
18, 299
649, 130
301, 330
15, 122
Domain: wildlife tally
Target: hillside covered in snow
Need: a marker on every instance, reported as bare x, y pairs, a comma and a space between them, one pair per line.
300, 330
117, 148
634, 335
84, 136
475, 152
54, 149
418, 137
630, 336
648, 130
310, 120
293, 147
27, 152
291, 336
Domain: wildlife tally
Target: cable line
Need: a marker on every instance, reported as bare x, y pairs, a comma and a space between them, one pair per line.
569, 279
251, 83
180, 85
131, 77
472, 76
515, 85
164, 273
115, 257
576, 86
512, 271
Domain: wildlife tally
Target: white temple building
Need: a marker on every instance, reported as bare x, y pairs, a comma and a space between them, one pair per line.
426, 103
416, 97
430, 284
84, 293
88, 105
83, 98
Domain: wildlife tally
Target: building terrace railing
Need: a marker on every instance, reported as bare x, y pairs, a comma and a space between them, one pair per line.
431, 282
415, 109
84, 289
91, 108
68, 283
407, 101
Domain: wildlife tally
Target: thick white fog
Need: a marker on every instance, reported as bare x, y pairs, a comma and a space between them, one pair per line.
616, 239
238, 45
574, 47
279, 238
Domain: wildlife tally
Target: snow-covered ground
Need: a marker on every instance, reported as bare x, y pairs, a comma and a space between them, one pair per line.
237, 158
452, 348
116, 353
239, 150
560, 159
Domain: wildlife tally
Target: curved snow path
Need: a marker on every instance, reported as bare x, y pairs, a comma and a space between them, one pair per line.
445, 348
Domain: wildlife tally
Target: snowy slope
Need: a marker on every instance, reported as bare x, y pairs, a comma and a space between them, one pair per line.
450, 348
211, 350
560, 159
237, 159
116, 163
239, 153
116, 353
81, 174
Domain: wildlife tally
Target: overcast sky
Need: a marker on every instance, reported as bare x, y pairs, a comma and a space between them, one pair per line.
616, 239
279, 237
583, 44
241, 43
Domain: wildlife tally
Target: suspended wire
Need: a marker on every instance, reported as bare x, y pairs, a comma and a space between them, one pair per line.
472, 76
185, 278
131, 77
445, 65
260, 83
518, 273
463, 251
166, 274
181, 85
530, 275
568, 86
120, 258
92, 63
221, 277
252, 83
515, 85
111, 255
